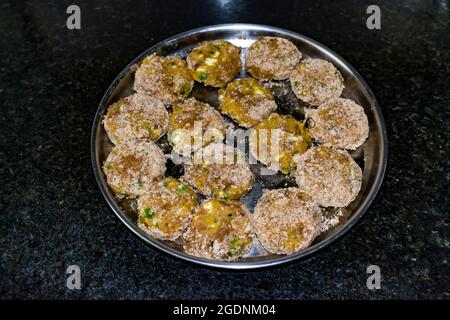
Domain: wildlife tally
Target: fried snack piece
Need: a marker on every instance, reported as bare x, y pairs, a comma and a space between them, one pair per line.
220, 171
339, 123
277, 148
285, 221
219, 230
166, 78
194, 124
329, 176
136, 117
247, 102
133, 166
165, 210
315, 81
215, 63
272, 58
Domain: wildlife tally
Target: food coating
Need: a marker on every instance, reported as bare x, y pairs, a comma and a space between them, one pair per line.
166, 78
247, 102
219, 171
138, 116
315, 81
278, 154
285, 221
165, 210
215, 63
219, 230
272, 58
194, 124
329, 176
133, 166
339, 123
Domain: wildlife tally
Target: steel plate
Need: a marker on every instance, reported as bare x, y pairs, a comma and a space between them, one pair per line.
371, 156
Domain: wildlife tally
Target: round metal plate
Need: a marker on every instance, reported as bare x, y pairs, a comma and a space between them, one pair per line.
371, 156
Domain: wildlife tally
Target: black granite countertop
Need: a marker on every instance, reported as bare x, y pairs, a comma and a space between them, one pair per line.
52, 214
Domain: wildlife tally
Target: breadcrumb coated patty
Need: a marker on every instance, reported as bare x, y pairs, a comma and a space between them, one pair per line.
329, 176
138, 116
315, 81
219, 171
339, 123
194, 124
133, 166
166, 208
285, 221
272, 58
247, 102
166, 78
277, 148
219, 230
215, 63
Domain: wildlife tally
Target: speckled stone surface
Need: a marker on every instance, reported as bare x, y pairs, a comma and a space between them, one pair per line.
51, 211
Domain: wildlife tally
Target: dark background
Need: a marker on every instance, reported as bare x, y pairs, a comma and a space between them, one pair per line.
53, 215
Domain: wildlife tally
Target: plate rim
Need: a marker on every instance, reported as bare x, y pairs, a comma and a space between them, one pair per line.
241, 265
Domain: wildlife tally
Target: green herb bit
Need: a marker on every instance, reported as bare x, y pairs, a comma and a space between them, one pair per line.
108, 166
203, 76
149, 130
234, 241
182, 189
148, 213
271, 120
235, 246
